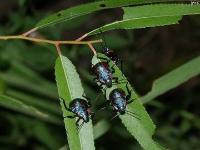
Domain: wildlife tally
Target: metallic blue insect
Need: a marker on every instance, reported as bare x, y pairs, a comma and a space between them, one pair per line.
118, 100
103, 73
81, 109
111, 54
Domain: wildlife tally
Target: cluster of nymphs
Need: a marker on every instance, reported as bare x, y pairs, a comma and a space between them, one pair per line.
118, 99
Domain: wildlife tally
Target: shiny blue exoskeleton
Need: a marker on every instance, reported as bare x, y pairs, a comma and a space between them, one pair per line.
81, 109
118, 100
104, 73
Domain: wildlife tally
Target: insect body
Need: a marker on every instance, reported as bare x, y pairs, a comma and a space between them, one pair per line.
118, 100
81, 109
103, 74
111, 54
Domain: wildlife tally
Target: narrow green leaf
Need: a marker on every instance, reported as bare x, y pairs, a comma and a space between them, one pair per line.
101, 128
84, 9
44, 104
2, 87
69, 88
21, 76
173, 79
43, 133
21, 107
137, 23
160, 10
150, 16
143, 128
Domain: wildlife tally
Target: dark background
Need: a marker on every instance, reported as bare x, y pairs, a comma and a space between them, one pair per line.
147, 54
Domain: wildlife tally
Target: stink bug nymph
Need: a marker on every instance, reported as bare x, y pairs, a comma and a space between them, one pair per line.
81, 109
118, 100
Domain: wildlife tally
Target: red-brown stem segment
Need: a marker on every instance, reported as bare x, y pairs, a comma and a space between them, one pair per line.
92, 48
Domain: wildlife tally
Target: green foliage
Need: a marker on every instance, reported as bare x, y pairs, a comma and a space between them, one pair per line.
17, 105
29, 100
173, 79
101, 128
141, 127
150, 16
31, 80
81, 10
69, 88
137, 23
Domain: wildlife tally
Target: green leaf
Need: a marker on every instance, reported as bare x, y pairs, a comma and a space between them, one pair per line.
69, 88
101, 128
16, 105
84, 9
44, 135
173, 79
21, 76
143, 128
137, 23
150, 16
44, 104
160, 10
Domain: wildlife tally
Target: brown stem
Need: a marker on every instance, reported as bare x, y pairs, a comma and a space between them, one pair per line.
29, 32
58, 49
47, 41
92, 48
82, 37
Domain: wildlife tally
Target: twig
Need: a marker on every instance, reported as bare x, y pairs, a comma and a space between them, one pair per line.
58, 49
92, 48
82, 37
47, 41
29, 32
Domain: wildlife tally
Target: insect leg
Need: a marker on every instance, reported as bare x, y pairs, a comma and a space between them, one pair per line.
129, 93
87, 98
79, 127
68, 109
77, 122
104, 105
69, 116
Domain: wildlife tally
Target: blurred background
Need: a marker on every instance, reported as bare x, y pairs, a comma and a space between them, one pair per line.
27, 74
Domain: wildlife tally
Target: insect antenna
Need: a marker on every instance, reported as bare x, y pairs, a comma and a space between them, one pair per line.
132, 114
115, 116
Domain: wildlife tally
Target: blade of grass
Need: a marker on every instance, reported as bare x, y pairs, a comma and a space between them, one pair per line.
17, 105
69, 88
23, 77
173, 79
44, 135
44, 104
143, 128
101, 128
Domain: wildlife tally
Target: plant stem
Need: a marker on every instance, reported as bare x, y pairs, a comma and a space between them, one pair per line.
82, 37
29, 32
47, 41
92, 48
